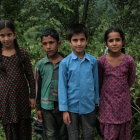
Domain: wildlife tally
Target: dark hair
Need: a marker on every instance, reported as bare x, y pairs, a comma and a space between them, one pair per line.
116, 29
50, 32
76, 29
10, 25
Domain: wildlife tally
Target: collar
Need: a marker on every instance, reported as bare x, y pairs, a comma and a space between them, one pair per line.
76, 57
46, 59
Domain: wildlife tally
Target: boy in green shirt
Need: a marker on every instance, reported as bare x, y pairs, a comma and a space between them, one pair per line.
46, 75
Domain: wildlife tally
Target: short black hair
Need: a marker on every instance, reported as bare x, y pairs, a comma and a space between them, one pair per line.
77, 29
50, 32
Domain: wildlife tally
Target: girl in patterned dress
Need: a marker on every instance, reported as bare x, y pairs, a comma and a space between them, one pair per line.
117, 74
17, 88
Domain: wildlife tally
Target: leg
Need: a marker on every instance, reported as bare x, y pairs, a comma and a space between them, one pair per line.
10, 132
110, 131
73, 128
125, 131
61, 127
88, 125
49, 125
25, 129
63, 134
20, 130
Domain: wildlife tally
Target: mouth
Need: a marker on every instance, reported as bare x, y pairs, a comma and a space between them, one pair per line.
115, 48
49, 51
79, 47
6, 43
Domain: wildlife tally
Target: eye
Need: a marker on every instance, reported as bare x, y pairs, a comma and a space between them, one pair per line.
44, 43
51, 42
2, 35
9, 34
82, 39
110, 40
118, 39
74, 40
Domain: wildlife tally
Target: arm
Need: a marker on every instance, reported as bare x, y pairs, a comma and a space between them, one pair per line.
30, 78
38, 83
96, 82
100, 73
29, 75
62, 93
132, 73
62, 87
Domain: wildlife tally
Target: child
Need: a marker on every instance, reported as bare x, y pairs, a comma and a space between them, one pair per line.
17, 85
78, 86
47, 87
117, 74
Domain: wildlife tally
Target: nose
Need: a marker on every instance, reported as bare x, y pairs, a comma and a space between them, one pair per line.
114, 42
6, 38
79, 42
48, 46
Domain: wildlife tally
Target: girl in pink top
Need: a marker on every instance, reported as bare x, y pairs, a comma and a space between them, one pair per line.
117, 74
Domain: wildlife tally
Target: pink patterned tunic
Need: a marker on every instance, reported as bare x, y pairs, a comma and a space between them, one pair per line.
115, 83
16, 88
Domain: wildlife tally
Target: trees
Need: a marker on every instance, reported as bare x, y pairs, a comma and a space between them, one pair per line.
31, 17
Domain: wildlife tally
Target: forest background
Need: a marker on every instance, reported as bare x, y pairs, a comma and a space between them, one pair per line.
31, 17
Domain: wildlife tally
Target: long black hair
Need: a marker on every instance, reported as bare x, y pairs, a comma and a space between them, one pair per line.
10, 25
116, 29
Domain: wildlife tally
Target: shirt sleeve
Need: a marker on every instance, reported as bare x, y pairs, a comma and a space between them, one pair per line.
29, 75
62, 87
132, 73
96, 82
38, 83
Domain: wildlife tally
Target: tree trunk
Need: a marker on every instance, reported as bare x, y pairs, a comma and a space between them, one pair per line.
85, 10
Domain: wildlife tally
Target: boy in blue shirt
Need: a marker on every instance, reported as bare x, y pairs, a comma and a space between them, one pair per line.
46, 73
78, 86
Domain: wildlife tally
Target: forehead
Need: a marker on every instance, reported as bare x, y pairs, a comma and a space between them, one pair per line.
48, 38
5, 31
78, 36
114, 35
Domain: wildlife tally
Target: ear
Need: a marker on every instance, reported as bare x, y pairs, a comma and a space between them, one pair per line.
15, 35
105, 43
59, 44
123, 43
86, 41
69, 43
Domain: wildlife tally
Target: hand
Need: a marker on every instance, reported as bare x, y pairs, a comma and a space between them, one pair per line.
66, 118
32, 103
39, 116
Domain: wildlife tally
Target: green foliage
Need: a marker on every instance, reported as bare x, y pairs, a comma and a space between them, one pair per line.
2, 135
31, 17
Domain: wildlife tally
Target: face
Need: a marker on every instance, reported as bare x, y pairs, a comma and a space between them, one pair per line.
78, 43
7, 38
114, 42
50, 45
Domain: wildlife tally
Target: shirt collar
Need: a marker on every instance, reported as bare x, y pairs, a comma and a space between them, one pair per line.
76, 57
46, 59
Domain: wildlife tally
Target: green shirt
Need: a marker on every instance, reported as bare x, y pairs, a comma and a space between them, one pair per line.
46, 75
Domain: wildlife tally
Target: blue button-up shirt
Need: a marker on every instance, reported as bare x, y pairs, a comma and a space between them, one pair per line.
78, 90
